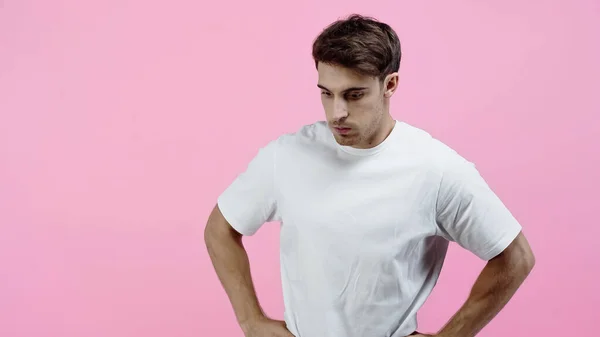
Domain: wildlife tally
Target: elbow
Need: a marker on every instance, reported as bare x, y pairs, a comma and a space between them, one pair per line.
523, 263
213, 238
528, 262
209, 237
209, 234
527, 258
518, 258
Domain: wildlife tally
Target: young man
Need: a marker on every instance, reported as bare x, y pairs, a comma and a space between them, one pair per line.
367, 206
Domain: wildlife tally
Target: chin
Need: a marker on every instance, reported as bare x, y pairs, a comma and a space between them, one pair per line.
346, 141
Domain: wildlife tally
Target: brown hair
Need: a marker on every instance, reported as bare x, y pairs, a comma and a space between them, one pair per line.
360, 43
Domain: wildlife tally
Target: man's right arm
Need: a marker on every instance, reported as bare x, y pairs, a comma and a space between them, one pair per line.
231, 264
245, 205
230, 260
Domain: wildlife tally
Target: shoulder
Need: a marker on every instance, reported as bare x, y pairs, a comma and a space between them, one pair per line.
307, 135
305, 139
435, 155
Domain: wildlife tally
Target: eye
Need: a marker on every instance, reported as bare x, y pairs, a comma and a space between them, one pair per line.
325, 93
356, 95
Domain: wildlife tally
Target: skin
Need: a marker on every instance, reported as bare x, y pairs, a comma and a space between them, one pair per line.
358, 102
361, 103
495, 286
231, 264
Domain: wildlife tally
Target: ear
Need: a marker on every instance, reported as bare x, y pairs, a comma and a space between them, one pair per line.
390, 84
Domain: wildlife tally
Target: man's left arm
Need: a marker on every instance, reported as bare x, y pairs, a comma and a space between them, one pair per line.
497, 283
470, 213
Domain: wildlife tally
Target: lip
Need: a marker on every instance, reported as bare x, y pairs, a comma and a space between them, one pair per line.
342, 130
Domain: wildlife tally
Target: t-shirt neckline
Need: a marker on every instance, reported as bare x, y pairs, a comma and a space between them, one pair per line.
372, 150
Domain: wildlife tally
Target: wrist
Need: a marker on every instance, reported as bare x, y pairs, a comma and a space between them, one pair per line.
247, 322
444, 334
440, 334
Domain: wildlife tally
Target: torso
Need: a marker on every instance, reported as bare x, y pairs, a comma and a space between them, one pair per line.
359, 250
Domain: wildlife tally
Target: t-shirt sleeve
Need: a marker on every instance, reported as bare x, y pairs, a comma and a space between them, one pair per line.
469, 213
249, 201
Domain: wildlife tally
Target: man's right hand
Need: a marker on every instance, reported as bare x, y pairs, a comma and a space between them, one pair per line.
265, 327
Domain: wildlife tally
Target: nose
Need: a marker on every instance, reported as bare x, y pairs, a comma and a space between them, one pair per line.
340, 109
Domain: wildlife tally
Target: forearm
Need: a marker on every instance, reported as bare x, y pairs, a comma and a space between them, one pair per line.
232, 266
495, 286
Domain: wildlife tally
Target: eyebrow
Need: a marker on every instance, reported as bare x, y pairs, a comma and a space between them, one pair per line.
346, 90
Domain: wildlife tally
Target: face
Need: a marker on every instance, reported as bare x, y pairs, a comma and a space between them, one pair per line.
356, 106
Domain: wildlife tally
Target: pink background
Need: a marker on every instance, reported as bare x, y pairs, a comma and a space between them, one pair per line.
122, 121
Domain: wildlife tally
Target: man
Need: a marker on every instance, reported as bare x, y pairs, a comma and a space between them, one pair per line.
367, 206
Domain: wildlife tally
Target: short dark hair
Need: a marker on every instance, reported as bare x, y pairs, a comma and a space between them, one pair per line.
361, 43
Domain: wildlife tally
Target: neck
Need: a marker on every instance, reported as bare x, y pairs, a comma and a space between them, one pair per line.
384, 130
387, 125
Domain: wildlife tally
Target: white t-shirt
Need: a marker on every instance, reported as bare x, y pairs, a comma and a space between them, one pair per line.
364, 232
